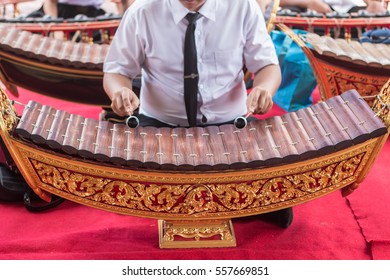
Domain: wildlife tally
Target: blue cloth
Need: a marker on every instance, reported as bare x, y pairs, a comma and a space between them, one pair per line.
298, 81
376, 36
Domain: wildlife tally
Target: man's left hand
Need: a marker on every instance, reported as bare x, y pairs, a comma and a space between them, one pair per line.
259, 101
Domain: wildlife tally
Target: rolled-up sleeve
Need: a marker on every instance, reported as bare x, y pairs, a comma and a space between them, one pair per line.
259, 50
126, 54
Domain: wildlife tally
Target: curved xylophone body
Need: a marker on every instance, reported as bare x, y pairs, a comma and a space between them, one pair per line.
340, 65
194, 181
63, 69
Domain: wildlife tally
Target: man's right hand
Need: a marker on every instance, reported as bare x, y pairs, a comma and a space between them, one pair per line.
124, 102
319, 7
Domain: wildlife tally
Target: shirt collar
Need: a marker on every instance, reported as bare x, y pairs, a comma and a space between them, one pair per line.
208, 10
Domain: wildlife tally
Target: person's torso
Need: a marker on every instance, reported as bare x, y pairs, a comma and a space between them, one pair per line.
220, 36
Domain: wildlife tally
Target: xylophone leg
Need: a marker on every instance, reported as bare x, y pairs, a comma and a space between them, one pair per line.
347, 190
196, 234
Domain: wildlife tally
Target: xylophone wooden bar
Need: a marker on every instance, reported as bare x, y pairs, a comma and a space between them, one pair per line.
189, 178
89, 134
317, 130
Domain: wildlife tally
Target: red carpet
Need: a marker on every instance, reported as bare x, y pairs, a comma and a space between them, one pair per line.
329, 228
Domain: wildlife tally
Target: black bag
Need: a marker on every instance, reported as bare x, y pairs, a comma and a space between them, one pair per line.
376, 36
13, 188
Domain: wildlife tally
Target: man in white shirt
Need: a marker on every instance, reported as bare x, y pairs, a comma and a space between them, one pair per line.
228, 35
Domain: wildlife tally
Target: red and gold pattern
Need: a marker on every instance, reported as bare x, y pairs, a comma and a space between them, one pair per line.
207, 196
339, 80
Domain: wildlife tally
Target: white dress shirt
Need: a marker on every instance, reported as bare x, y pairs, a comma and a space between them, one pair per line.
229, 34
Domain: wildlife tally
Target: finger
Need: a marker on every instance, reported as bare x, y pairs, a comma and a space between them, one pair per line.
134, 101
116, 105
251, 103
126, 103
267, 105
260, 101
270, 104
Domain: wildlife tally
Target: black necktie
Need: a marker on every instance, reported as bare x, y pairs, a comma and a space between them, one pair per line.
191, 76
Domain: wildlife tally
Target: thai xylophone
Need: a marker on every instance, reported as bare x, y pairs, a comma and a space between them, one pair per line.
58, 68
51, 50
195, 180
335, 24
85, 27
366, 54
340, 65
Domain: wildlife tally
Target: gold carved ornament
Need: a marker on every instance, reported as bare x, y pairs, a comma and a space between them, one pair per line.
195, 199
8, 112
381, 104
341, 81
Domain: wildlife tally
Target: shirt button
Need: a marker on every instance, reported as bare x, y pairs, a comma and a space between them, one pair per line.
201, 86
200, 60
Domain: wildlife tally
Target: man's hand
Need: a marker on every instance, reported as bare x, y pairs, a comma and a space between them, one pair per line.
259, 101
319, 6
375, 6
124, 102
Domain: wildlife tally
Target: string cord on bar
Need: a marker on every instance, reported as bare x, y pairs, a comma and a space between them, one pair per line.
378, 97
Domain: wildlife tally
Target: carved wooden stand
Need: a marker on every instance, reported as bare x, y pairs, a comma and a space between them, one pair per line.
194, 234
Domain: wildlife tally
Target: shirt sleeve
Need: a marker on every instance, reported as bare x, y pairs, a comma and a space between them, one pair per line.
259, 50
126, 55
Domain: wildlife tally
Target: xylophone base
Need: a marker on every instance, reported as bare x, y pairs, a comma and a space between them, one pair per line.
196, 234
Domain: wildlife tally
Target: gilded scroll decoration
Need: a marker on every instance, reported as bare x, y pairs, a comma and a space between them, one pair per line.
8, 112
197, 232
193, 198
340, 81
346, 169
382, 103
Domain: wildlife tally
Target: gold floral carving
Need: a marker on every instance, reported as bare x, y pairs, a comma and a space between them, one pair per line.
182, 199
8, 112
341, 80
196, 232
382, 104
